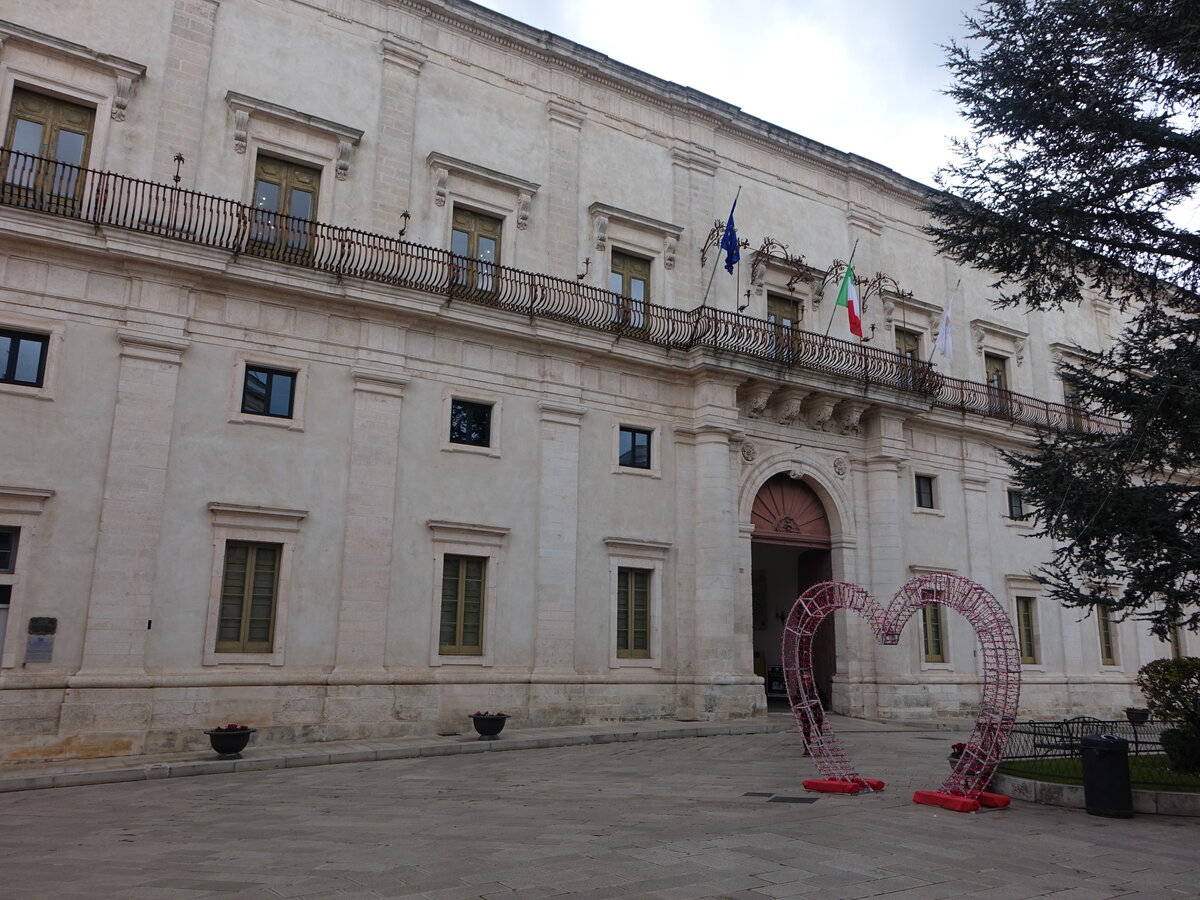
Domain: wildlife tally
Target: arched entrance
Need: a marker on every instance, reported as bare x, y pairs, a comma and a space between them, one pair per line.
789, 553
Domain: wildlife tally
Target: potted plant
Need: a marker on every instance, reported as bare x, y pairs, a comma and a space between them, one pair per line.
230, 740
1137, 715
1172, 689
489, 724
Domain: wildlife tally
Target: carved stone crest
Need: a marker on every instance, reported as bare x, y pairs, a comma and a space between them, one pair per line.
749, 451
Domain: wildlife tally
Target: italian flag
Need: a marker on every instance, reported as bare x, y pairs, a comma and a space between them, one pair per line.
848, 297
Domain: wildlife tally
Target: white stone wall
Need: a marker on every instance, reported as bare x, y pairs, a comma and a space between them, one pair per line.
140, 462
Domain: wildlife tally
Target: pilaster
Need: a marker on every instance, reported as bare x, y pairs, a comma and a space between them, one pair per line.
131, 511
371, 507
401, 60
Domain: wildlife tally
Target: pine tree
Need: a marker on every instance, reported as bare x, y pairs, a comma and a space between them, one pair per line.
1081, 180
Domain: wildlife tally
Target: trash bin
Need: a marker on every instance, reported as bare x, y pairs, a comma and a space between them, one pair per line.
1106, 790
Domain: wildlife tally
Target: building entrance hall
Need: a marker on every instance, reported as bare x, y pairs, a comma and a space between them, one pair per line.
789, 553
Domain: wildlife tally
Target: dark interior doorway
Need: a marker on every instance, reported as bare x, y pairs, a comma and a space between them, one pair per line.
789, 553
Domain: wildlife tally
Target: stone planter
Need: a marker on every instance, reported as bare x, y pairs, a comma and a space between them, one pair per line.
1137, 715
230, 744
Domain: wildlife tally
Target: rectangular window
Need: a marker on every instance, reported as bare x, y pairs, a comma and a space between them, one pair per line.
635, 448
461, 629
475, 238
932, 643
285, 200
22, 357
1016, 506
54, 130
633, 613
629, 279
1025, 629
783, 312
1108, 648
268, 392
1073, 404
996, 376
8, 549
908, 344
924, 489
470, 423
246, 621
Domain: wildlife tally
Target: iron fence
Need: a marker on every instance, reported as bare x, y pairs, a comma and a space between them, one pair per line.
110, 199
1052, 751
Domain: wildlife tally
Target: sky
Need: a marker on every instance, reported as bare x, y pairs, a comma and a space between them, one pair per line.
863, 76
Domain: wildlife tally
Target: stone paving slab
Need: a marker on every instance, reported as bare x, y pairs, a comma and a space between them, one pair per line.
642, 819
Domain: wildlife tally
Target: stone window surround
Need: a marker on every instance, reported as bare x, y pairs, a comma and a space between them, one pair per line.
637, 553
268, 361
471, 395
638, 235
259, 126
256, 524
937, 509
999, 340
20, 507
466, 539
656, 447
50, 65
54, 332
457, 182
913, 315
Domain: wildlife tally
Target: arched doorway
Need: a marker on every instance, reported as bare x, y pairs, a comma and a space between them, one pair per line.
789, 552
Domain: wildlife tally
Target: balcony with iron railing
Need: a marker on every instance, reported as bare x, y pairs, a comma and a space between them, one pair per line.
109, 199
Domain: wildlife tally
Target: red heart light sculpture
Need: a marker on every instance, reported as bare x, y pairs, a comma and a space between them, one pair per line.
965, 789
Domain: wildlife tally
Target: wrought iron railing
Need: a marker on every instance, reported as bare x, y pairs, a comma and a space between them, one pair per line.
106, 198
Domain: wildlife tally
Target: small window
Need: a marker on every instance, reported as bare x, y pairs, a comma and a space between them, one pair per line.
8, 549
22, 357
783, 313
461, 629
470, 423
285, 200
1026, 636
1108, 648
268, 392
248, 594
924, 490
476, 239
932, 630
1016, 506
629, 279
54, 130
635, 448
633, 613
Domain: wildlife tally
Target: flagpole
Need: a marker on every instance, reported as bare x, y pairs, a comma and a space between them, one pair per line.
718, 259
829, 324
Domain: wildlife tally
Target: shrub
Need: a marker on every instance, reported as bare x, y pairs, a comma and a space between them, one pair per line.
1172, 689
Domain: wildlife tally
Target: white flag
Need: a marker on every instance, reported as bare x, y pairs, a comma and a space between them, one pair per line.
945, 341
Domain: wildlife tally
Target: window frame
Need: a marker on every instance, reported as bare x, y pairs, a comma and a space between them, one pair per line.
629, 312
934, 506
46, 179
291, 236
1025, 620
272, 374
16, 338
1107, 638
462, 561
476, 274
20, 510
934, 643
1023, 516
626, 625
654, 470
635, 432
233, 522
470, 540
243, 643
642, 555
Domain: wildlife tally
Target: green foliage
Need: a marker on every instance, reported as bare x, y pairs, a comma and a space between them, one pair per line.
1182, 747
1076, 184
1172, 689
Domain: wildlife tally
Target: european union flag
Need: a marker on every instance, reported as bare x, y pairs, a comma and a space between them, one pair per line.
729, 242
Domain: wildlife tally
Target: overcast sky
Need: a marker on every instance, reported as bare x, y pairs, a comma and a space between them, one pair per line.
864, 76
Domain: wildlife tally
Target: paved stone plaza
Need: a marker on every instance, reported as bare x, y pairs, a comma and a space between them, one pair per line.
693, 817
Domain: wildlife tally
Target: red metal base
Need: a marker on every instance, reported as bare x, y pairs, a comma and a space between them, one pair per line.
993, 801
946, 801
836, 786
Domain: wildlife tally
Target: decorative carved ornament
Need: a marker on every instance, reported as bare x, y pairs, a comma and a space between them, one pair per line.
787, 511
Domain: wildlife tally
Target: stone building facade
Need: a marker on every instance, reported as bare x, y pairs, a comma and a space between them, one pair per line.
365, 373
